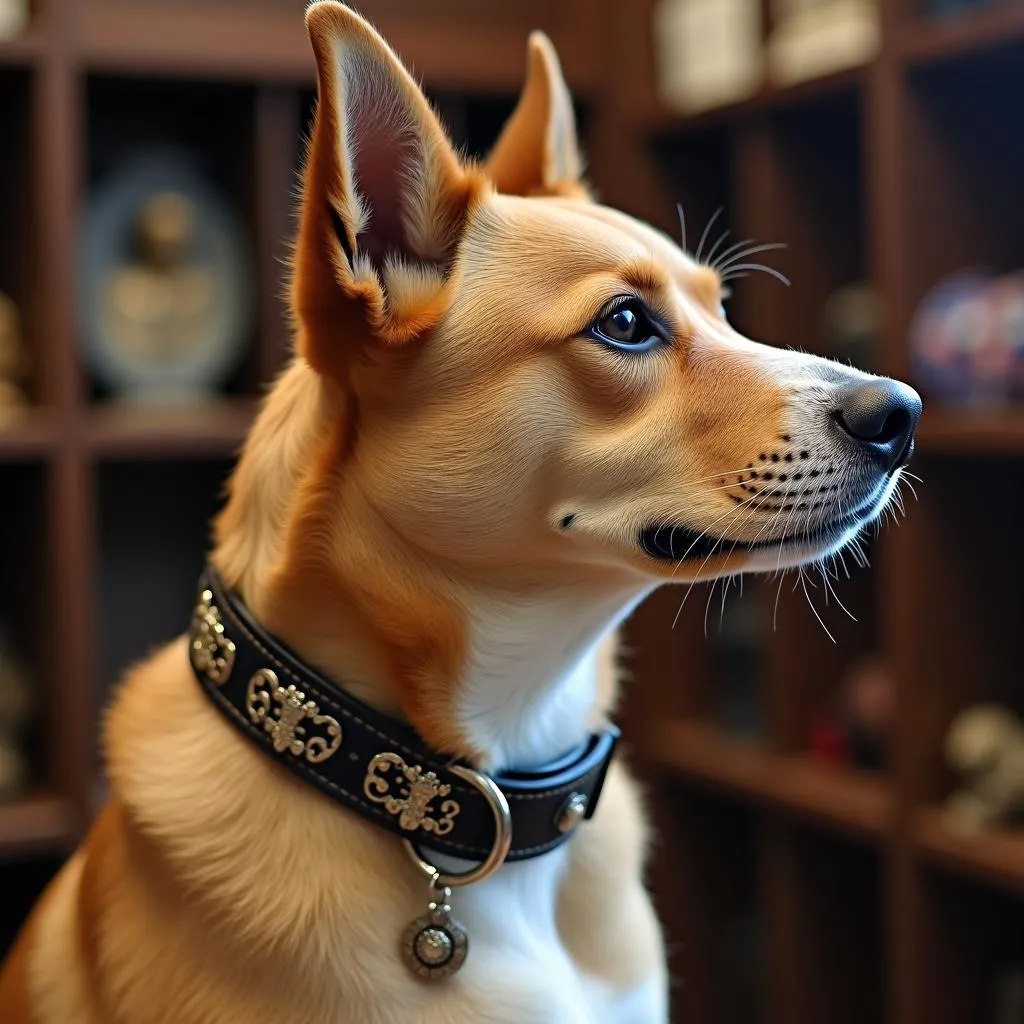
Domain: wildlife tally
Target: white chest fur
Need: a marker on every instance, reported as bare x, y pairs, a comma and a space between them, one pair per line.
536, 672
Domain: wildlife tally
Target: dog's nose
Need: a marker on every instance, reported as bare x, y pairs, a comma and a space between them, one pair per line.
881, 415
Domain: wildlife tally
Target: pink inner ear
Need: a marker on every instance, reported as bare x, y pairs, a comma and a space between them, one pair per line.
381, 171
386, 161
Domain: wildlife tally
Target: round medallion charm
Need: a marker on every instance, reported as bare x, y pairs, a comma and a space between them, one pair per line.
434, 946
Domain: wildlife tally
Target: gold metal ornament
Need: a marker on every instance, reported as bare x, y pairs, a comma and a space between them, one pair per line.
435, 945
287, 717
211, 652
409, 794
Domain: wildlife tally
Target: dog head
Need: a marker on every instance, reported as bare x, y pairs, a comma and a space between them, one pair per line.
538, 378
502, 385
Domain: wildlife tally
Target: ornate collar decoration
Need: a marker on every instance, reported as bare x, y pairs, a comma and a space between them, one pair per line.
380, 767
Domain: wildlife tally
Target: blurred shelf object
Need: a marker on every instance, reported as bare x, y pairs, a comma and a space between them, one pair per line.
995, 857
830, 797
767, 99
943, 39
26, 436
36, 823
971, 431
126, 431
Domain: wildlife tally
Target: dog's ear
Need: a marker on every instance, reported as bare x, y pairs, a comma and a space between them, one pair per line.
384, 197
538, 153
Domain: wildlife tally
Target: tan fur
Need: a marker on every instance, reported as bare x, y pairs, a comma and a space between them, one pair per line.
396, 516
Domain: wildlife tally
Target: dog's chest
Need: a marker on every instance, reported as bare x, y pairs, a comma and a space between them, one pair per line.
520, 968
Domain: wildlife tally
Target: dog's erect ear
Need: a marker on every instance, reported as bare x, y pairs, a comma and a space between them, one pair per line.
537, 153
384, 196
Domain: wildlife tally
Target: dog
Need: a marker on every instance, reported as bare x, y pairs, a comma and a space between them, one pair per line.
511, 414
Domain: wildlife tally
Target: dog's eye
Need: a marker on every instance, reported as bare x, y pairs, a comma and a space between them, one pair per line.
628, 327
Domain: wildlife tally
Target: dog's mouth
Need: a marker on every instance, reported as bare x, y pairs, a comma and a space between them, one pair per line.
668, 542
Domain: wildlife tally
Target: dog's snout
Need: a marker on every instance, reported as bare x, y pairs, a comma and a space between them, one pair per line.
881, 416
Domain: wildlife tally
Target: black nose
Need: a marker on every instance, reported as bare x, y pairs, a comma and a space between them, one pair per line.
881, 415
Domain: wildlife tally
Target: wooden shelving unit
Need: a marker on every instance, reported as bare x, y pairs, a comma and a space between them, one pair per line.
897, 173
792, 892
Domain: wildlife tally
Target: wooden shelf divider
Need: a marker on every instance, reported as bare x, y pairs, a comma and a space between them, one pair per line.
29, 436
36, 822
926, 41
834, 798
995, 857
972, 432
125, 431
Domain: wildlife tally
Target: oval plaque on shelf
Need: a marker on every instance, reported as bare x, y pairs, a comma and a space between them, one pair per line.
165, 306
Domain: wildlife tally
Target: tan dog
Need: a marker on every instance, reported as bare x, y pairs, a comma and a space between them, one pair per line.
512, 414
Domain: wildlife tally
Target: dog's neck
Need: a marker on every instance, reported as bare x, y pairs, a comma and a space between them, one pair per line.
506, 673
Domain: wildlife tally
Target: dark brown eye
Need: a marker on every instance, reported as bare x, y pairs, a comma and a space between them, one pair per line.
621, 325
628, 327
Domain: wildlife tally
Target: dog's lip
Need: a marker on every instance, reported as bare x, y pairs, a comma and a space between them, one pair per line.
674, 542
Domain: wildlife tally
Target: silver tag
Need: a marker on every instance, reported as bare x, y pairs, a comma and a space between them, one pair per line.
435, 945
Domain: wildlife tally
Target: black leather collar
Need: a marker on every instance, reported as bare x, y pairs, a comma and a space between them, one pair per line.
369, 762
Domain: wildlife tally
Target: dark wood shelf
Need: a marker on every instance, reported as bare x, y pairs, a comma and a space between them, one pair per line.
972, 432
31, 435
35, 823
995, 857
835, 798
212, 429
268, 44
768, 98
940, 40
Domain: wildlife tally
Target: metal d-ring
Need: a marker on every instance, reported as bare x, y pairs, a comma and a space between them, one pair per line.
499, 848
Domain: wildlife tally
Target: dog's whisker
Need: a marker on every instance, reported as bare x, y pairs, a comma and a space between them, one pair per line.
821, 621
771, 271
709, 259
707, 231
737, 257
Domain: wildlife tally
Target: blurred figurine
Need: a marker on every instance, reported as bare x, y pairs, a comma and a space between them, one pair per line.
15, 707
812, 38
867, 699
160, 306
852, 727
13, 361
985, 747
708, 52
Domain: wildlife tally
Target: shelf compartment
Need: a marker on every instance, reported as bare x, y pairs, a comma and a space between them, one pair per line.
850, 802
36, 823
155, 527
994, 857
996, 431
938, 40
213, 429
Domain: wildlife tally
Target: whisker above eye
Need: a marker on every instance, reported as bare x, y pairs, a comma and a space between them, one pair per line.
727, 259
709, 259
777, 274
707, 231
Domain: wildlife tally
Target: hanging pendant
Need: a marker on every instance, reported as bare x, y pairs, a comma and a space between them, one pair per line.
435, 945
